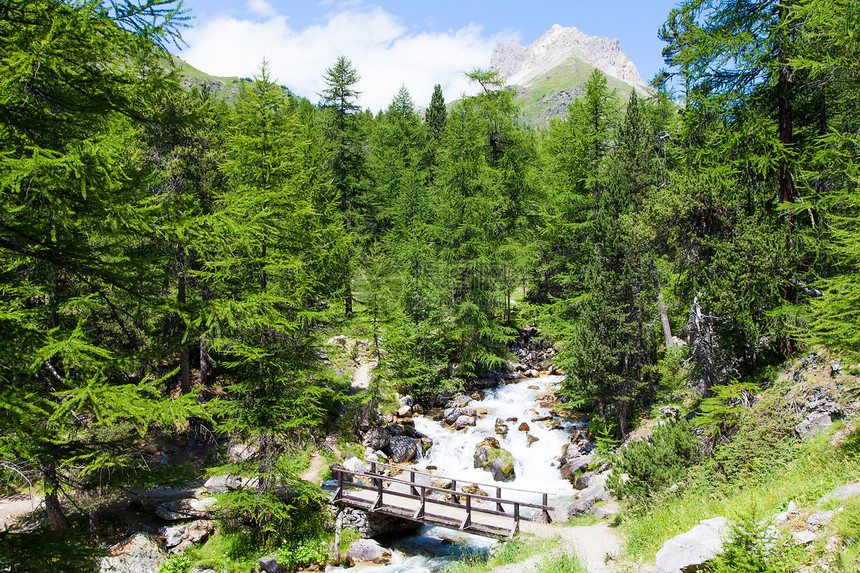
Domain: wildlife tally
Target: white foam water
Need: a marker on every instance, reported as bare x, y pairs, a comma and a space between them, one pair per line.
452, 455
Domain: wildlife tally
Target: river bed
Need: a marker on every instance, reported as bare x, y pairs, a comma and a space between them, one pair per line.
432, 548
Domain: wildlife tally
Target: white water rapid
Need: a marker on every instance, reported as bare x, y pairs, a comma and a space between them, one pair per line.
452, 455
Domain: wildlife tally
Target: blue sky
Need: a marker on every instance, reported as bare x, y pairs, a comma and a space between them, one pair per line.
394, 43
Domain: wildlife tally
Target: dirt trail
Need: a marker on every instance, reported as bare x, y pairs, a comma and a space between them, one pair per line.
17, 506
361, 377
597, 546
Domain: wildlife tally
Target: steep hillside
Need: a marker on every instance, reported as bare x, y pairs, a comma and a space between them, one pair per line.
223, 88
549, 74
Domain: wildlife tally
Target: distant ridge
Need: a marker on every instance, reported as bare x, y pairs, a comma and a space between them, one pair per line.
522, 65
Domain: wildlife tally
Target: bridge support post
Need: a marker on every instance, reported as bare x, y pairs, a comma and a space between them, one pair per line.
338, 527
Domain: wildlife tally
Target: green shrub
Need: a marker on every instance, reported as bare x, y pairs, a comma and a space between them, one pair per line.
750, 548
654, 464
176, 564
762, 443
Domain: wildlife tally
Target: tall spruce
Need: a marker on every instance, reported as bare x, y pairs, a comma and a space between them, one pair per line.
77, 292
343, 133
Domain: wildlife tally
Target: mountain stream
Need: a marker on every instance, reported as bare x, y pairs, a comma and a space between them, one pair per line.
431, 548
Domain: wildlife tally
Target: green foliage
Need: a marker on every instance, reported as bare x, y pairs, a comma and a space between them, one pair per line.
762, 442
751, 548
722, 411
41, 550
176, 564
562, 562
846, 524
655, 464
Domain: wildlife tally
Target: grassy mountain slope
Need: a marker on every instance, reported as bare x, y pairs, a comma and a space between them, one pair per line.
550, 94
223, 88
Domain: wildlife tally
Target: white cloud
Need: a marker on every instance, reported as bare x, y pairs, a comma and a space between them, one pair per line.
262, 8
384, 52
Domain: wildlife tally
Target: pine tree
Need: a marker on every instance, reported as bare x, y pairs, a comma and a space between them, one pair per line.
342, 131
437, 114
76, 293
612, 343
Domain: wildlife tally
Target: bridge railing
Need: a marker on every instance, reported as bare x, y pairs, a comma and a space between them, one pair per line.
419, 492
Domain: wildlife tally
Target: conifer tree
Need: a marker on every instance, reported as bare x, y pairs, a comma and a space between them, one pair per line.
437, 114
77, 391
343, 133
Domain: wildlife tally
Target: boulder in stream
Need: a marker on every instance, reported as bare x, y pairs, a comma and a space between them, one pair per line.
464, 421
498, 461
367, 551
401, 449
377, 438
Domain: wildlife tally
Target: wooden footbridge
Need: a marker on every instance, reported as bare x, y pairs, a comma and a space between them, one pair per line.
408, 495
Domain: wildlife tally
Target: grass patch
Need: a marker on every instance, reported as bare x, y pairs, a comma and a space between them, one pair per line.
814, 471
506, 552
561, 563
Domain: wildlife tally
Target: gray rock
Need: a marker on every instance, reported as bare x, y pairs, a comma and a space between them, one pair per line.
401, 449
138, 554
223, 483
502, 471
173, 535
607, 510
241, 453
564, 511
450, 415
458, 401
819, 520
841, 492
693, 548
569, 469
784, 516
582, 481
271, 565
596, 489
407, 401
354, 465
813, 424
804, 537
464, 421
199, 530
367, 551
404, 412
190, 508
377, 438
374, 524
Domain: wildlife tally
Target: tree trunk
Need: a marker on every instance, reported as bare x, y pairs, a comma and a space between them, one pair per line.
205, 360
57, 519
661, 307
184, 354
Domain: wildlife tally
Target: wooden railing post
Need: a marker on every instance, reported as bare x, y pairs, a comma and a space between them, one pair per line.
378, 504
467, 521
499, 496
454, 497
412, 489
420, 513
339, 493
546, 503
516, 512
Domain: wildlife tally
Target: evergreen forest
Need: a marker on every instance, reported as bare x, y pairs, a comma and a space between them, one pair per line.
171, 265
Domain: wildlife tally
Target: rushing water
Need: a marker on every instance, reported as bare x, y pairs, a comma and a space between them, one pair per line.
452, 455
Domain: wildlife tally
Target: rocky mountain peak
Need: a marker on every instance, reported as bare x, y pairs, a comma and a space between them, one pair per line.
520, 65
